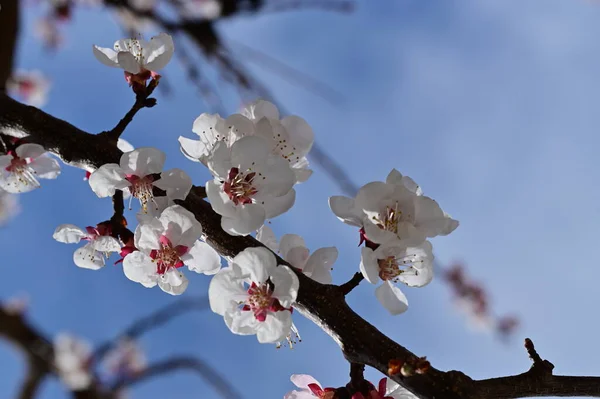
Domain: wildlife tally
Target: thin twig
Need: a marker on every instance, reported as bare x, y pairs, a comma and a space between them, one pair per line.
209, 374
540, 366
351, 284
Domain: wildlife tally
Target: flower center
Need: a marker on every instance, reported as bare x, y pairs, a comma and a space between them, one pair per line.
167, 256
141, 188
134, 47
239, 186
260, 301
391, 267
23, 173
287, 151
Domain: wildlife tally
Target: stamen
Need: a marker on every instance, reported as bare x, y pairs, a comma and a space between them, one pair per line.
239, 186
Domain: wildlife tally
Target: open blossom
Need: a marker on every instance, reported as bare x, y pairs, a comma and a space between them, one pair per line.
125, 360
135, 174
394, 212
292, 248
99, 244
9, 206
309, 388
21, 169
255, 296
166, 244
290, 138
72, 360
31, 86
249, 186
390, 263
139, 58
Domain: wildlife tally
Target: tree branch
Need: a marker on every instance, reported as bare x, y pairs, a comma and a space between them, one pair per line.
36, 373
325, 305
9, 30
351, 284
210, 375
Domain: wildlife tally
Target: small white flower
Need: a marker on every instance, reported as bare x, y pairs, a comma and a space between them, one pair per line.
166, 244
135, 175
393, 212
9, 206
72, 361
91, 255
125, 360
293, 249
249, 186
138, 55
254, 295
412, 266
31, 86
309, 388
21, 169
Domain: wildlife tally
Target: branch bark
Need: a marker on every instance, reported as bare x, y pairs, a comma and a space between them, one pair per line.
9, 29
325, 305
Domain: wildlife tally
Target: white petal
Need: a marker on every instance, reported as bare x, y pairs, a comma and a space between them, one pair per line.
345, 210
69, 234
392, 298
279, 178
147, 235
219, 200
30, 150
175, 182
260, 109
124, 145
248, 151
248, 218
318, 265
173, 282
275, 206
106, 244
266, 236
181, 227
300, 133
158, 52
202, 258
192, 149
13, 183
396, 178
5, 160
139, 267
369, 267
225, 291
299, 395
430, 218
241, 322
275, 328
303, 380
302, 173
106, 56
286, 285
219, 161
143, 161
88, 258
128, 62
289, 241
258, 262
45, 167
106, 179
371, 196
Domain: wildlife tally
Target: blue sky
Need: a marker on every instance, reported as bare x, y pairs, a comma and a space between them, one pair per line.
492, 107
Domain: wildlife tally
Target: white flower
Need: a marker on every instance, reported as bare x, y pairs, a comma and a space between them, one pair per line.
21, 169
396, 391
293, 249
31, 86
125, 360
249, 186
393, 212
9, 206
309, 388
254, 295
71, 358
91, 255
135, 175
412, 266
166, 244
138, 55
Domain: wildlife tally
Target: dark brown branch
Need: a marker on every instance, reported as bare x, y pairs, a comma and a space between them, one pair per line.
351, 284
210, 375
152, 321
36, 373
325, 305
9, 30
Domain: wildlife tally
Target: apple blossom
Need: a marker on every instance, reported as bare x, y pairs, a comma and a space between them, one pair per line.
135, 174
254, 295
100, 244
72, 360
31, 86
393, 212
9, 206
309, 388
20, 169
391, 263
139, 58
293, 249
249, 186
166, 244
